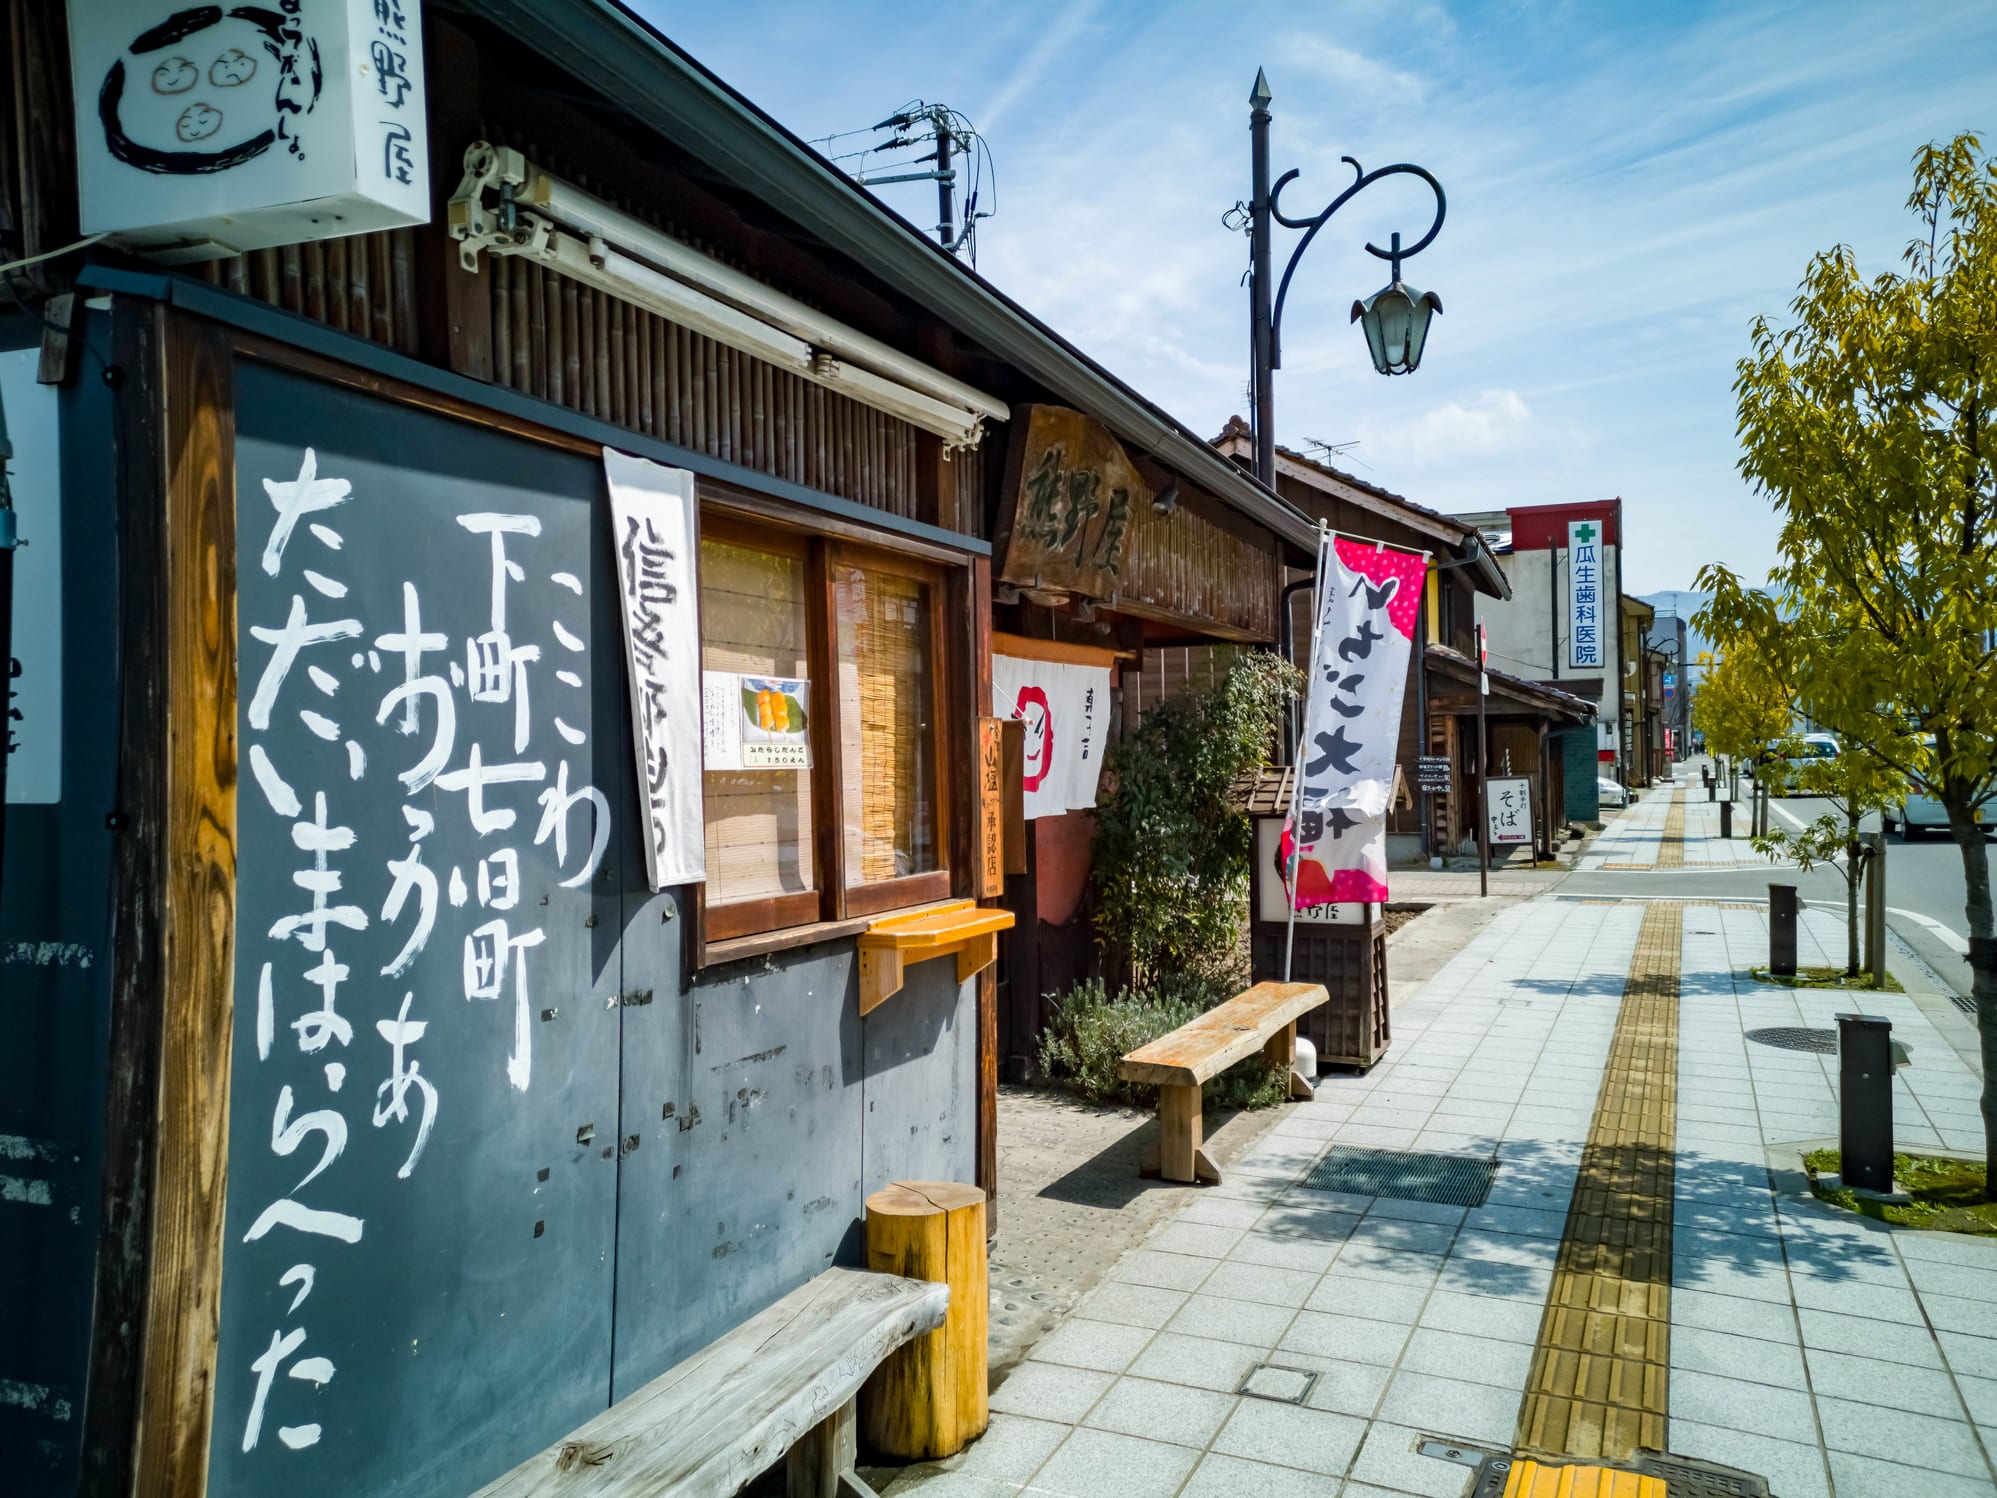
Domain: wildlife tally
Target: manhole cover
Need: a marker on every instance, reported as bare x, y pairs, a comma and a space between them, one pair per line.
1796, 1038
1272, 1381
1405, 1175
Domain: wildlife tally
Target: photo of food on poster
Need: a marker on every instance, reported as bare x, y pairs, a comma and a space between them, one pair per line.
754, 722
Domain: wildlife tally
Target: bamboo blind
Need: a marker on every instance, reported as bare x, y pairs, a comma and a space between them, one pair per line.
753, 612
604, 357
887, 722
564, 342
363, 284
1171, 671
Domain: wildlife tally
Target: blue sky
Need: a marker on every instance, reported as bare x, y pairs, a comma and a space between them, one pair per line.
1628, 186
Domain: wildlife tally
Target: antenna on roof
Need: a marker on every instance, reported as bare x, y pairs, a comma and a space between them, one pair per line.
948, 135
1326, 451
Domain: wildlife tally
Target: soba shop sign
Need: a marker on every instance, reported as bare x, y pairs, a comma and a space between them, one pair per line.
1072, 494
205, 130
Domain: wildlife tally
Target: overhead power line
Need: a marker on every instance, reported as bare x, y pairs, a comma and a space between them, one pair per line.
926, 143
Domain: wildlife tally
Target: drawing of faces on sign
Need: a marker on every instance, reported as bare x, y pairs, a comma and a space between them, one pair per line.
1039, 720
207, 89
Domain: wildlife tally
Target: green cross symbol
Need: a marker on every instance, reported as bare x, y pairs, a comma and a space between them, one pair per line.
1586, 533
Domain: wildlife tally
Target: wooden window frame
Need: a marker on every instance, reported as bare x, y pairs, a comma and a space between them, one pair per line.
934, 884
723, 920
833, 907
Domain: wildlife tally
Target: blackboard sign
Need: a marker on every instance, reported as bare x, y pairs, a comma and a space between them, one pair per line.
1432, 773
417, 1281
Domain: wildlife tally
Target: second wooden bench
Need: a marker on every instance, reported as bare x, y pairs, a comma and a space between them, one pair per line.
1262, 1018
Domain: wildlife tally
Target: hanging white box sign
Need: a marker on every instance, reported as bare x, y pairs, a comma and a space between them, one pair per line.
205, 130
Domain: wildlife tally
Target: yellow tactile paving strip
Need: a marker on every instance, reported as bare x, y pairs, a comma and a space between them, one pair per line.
1596, 1391
1528, 1479
1671, 850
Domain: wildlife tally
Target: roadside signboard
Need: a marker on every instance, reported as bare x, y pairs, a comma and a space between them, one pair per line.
1511, 811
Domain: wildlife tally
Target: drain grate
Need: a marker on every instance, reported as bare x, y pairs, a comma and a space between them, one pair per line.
1687, 1477
1682, 1476
1796, 1038
1405, 1175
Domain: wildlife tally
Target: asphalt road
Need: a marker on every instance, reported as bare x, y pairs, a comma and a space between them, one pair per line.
1924, 887
1924, 892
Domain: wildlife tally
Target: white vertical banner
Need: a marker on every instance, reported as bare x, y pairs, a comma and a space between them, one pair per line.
652, 521
31, 682
1368, 598
1065, 707
1584, 594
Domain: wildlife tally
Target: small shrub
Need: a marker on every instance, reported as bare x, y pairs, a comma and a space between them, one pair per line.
1091, 1033
1170, 875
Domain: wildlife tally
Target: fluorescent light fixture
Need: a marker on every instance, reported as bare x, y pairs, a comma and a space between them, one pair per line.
560, 225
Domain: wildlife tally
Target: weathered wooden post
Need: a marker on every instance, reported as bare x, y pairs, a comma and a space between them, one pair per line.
931, 1397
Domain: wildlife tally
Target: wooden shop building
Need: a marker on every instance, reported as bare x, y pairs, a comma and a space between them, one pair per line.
437, 994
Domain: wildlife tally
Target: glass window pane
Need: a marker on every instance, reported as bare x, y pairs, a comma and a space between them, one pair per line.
887, 725
752, 619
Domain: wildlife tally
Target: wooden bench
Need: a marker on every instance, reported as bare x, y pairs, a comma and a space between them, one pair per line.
783, 1382
1263, 1018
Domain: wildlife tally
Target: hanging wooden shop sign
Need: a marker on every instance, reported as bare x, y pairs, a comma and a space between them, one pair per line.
1070, 493
991, 808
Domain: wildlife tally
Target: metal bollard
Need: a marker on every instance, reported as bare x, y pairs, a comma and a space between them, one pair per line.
1726, 819
1865, 1102
1712, 791
1782, 930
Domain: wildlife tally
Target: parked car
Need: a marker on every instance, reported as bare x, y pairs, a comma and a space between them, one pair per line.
1919, 812
1812, 748
1609, 793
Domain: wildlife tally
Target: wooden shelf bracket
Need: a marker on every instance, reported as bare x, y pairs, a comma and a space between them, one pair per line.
889, 945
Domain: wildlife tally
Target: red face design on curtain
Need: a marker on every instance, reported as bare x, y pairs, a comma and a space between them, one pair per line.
1039, 720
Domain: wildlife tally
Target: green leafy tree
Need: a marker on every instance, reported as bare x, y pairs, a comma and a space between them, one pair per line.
1867, 421
1171, 852
1742, 707
1858, 783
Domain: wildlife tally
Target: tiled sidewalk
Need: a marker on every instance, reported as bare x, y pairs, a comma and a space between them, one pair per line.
1632, 837
1830, 1355
1417, 1318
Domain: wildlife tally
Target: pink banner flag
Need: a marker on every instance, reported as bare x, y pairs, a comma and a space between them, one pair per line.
1367, 601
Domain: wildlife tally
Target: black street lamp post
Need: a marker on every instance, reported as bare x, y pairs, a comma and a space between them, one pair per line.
1395, 318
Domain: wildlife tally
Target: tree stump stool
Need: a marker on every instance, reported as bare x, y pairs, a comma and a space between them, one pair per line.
930, 1397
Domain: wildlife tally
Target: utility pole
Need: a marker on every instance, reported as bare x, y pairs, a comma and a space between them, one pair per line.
1262, 327
946, 179
1483, 766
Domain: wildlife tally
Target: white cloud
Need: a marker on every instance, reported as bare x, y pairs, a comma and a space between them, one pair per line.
1490, 423
1057, 39
1360, 75
1628, 186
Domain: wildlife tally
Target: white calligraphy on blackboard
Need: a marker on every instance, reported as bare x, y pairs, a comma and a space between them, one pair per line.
353, 872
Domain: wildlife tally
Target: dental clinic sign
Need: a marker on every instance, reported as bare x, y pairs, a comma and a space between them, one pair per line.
1585, 592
